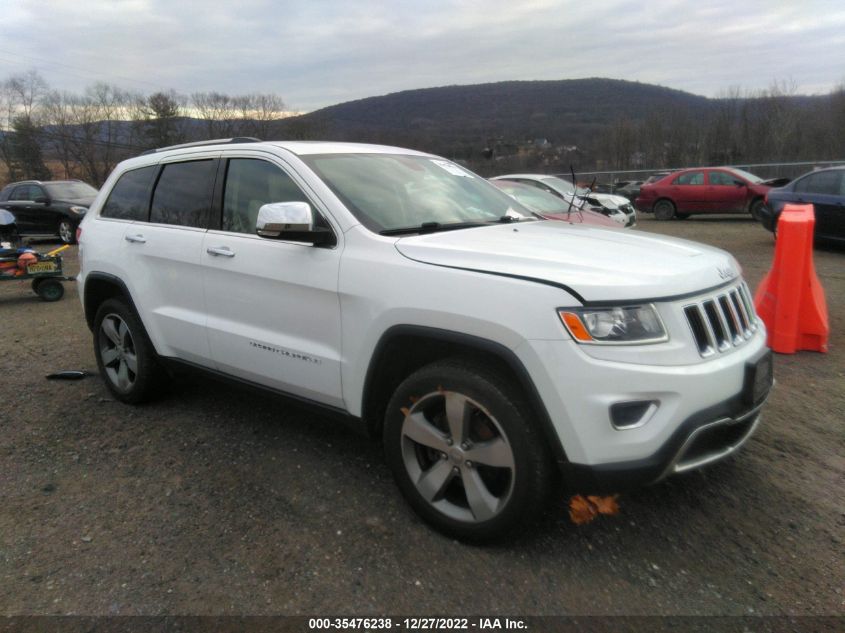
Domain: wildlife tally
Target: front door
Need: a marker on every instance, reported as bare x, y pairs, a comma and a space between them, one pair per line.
273, 308
725, 193
825, 189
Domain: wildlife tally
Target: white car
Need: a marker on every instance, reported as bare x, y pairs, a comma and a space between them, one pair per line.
618, 208
408, 296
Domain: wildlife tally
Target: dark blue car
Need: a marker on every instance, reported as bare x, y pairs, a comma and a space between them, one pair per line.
824, 189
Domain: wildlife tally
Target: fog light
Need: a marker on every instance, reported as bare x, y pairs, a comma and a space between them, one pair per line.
630, 415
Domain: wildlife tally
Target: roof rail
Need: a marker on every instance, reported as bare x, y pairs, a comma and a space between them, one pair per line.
217, 141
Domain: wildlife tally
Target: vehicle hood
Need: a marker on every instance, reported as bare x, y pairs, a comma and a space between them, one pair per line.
85, 201
608, 200
775, 182
595, 264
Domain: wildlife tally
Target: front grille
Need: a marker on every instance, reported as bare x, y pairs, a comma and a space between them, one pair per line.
722, 321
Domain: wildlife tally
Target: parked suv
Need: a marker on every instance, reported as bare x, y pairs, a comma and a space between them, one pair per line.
48, 209
489, 350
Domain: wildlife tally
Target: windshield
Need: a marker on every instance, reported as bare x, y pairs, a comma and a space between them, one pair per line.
563, 186
394, 191
535, 199
746, 175
70, 190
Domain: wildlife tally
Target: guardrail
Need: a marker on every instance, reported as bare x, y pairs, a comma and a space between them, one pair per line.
765, 170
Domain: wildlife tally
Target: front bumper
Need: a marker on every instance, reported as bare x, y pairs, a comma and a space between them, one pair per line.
703, 415
701, 440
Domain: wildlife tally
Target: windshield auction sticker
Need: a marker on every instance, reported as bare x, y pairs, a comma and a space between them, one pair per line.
452, 168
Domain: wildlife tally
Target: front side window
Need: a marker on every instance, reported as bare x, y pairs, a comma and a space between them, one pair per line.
389, 192
251, 183
721, 178
690, 178
27, 192
183, 193
130, 197
822, 182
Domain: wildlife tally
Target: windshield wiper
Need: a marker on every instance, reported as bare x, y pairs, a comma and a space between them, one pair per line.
431, 227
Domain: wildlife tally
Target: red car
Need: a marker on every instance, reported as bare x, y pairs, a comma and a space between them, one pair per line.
705, 190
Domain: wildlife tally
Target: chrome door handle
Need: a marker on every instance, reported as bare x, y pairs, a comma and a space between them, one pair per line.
140, 239
220, 250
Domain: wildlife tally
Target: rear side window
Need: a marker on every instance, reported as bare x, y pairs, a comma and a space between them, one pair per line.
251, 183
183, 193
130, 197
690, 178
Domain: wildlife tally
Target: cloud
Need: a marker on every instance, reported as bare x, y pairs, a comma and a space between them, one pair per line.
319, 52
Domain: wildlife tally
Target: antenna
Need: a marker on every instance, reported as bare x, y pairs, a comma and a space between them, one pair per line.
575, 187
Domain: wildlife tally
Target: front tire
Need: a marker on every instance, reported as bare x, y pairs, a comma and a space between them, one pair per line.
755, 208
67, 232
125, 356
460, 443
664, 210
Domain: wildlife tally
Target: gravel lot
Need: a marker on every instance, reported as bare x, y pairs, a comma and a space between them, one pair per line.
219, 501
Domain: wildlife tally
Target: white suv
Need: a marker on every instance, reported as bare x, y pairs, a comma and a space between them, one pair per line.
491, 351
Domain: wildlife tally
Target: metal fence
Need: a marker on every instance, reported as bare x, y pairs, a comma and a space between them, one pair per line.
611, 178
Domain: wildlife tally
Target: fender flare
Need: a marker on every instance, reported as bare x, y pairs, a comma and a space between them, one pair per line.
503, 353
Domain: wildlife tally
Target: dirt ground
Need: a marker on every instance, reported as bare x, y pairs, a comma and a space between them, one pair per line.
219, 501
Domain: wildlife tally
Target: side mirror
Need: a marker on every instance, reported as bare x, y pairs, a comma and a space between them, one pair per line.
291, 221
739, 183
42, 200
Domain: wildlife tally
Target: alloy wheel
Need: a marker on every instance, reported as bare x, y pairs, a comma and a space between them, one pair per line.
66, 232
457, 456
117, 351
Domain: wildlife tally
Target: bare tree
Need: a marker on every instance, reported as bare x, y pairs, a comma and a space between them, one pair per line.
20, 147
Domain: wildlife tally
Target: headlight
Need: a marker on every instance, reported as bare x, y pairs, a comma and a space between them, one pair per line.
614, 326
79, 210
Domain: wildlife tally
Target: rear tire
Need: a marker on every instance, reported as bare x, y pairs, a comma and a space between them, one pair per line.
460, 443
126, 358
664, 210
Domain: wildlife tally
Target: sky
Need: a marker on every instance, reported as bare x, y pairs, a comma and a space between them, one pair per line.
315, 53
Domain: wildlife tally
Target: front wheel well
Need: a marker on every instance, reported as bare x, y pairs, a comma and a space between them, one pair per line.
405, 349
754, 201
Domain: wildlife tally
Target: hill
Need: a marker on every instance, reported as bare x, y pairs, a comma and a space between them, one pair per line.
571, 111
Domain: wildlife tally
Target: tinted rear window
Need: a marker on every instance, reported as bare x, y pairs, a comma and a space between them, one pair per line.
183, 193
130, 197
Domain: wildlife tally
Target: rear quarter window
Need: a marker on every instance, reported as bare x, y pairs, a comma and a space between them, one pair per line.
130, 197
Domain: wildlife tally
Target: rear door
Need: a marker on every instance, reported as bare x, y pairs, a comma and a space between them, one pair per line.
725, 193
273, 308
164, 256
687, 191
